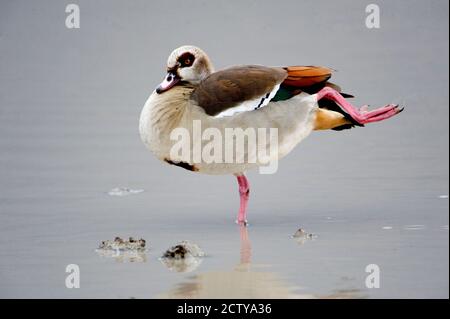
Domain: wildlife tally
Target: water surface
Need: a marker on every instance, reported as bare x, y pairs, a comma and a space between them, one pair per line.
69, 108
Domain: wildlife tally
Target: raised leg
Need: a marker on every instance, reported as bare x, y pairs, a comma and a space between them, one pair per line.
244, 192
362, 116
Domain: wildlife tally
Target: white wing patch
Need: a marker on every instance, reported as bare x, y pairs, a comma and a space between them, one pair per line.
250, 105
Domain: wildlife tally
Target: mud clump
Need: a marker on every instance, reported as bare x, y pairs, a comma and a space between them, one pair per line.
302, 234
177, 252
182, 250
122, 244
183, 257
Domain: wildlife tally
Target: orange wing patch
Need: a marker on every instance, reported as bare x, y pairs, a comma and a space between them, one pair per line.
303, 76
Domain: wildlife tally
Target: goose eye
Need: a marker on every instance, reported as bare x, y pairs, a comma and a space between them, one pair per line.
186, 59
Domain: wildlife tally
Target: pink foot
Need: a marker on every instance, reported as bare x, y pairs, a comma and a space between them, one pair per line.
244, 192
363, 115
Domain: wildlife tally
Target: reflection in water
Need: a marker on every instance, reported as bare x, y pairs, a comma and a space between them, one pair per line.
244, 282
123, 256
187, 264
241, 282
345, 294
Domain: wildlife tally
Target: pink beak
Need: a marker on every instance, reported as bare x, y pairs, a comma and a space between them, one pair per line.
169, 81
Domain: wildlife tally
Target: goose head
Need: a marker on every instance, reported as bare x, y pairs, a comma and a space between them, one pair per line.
185, 64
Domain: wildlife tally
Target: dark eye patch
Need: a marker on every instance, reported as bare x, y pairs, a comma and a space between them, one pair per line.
186, 59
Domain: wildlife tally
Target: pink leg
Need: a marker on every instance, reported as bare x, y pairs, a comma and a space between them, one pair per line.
362, 116
244, 192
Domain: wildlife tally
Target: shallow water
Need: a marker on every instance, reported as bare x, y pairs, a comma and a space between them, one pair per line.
69, 106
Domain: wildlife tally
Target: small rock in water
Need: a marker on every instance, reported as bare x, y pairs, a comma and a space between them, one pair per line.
122, 256
182, 250
183, 257
121, 244
302, 234
124, 191
122, 250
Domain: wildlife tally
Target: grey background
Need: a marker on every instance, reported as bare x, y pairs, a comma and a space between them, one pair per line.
69, 108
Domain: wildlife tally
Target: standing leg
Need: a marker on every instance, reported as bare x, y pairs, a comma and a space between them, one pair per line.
361, 116
244, 192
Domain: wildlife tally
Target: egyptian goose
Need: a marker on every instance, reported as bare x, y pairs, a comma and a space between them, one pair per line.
294, 101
